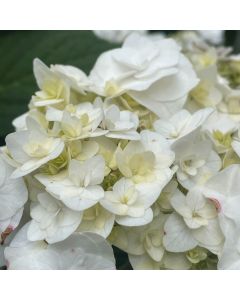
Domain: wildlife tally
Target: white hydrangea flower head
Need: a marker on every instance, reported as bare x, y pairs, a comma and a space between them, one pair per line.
52, 221
78, 187
181, 123
153, 72
153, 173
77, 122
53, 90
195, 209
32, 148
144, 152
220, 129
195, 159
119, 124
131, 207
179, 237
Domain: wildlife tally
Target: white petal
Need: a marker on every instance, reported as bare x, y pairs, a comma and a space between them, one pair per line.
130, 221
91, 172
210, 236
41, 72
14, 142
164, 127
178, 202
13, 192
178, 237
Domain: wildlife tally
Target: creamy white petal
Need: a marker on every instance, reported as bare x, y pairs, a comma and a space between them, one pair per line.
143, 262
97, 220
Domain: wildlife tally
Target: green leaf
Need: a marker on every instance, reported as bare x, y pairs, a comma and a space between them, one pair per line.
17, 51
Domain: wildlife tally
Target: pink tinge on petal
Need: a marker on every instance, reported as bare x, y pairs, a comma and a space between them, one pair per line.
216, 204
6, 233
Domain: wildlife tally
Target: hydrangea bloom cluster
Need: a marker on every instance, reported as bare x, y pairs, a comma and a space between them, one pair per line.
142, 154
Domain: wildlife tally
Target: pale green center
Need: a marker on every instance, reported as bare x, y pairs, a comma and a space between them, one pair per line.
38, 149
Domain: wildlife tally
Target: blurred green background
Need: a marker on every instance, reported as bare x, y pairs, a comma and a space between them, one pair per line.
17, 51
19, 48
